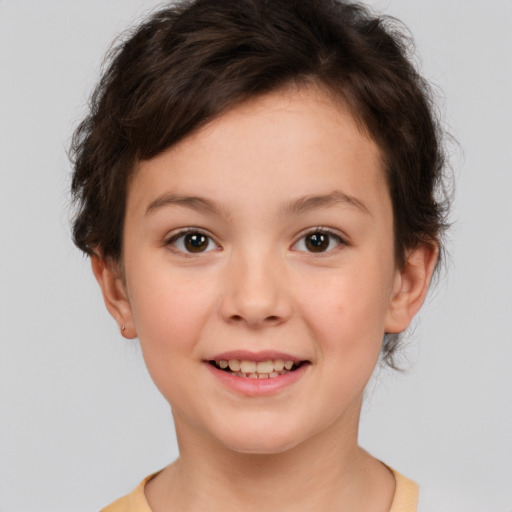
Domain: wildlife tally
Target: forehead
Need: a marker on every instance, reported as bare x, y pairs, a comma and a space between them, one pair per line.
294, 139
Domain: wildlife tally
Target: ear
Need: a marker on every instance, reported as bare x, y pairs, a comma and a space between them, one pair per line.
411, 286
109, 275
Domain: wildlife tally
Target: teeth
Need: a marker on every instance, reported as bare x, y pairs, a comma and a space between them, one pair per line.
247, 366
234, 365
278, 365
265, 367
256, 370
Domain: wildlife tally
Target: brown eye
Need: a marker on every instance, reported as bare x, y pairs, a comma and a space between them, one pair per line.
196, 242
317, 242
192, 242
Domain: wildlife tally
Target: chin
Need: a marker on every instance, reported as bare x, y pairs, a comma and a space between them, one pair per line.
261, 441
261, 448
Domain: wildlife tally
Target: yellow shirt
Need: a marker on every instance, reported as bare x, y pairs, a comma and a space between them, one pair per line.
405, 499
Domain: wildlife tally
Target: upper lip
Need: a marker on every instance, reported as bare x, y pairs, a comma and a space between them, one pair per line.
261, 355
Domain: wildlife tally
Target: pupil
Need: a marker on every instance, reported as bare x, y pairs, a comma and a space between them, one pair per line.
317, 242
196, 242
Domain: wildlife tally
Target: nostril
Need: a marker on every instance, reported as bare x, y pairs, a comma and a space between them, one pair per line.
255, 320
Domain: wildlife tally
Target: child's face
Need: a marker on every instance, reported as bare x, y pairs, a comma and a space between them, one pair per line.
267, 235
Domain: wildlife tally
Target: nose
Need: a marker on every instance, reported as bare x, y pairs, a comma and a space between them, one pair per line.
255, 292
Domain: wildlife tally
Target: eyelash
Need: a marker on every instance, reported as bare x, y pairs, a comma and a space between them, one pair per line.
332, 235
171, 241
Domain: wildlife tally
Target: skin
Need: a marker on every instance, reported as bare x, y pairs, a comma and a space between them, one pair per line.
257, 286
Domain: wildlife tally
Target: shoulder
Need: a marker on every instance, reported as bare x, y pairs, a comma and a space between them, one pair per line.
133, 502
406, 494
404, 500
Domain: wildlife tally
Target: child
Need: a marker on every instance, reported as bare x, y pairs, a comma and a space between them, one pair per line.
256, 186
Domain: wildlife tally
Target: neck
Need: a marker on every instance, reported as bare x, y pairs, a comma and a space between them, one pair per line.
328, 471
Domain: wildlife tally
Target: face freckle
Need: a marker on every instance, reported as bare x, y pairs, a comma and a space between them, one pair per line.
287, 205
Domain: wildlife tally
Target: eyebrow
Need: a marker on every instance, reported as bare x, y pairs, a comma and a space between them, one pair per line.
307, 203
192, 202
295, 207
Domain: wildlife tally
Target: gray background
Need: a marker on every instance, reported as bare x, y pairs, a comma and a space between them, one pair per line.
80, 421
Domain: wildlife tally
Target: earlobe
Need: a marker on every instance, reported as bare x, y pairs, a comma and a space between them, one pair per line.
109, 276
410, 287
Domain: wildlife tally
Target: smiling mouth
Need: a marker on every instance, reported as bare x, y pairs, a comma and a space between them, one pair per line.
257, 370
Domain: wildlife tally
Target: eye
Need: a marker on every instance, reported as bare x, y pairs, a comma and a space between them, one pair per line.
192, 242
318, 241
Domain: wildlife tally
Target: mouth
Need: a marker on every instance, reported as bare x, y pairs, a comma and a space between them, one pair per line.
247, 369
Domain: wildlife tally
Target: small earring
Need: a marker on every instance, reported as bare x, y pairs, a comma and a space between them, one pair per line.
123, 328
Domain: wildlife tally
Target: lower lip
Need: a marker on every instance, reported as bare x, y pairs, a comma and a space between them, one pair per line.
257, 387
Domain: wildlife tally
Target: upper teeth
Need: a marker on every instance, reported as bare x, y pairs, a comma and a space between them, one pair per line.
245, 366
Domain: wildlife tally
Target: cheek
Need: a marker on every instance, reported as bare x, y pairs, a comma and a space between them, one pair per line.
170, 311
348, 314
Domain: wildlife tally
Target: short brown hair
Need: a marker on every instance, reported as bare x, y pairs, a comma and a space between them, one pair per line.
194, 60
